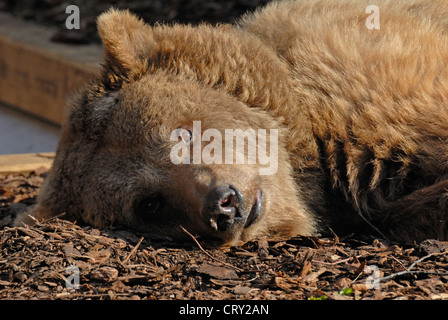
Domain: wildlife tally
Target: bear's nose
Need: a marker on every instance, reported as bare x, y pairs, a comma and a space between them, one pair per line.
224, 203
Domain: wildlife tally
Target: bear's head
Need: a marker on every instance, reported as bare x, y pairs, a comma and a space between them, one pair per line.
170, 135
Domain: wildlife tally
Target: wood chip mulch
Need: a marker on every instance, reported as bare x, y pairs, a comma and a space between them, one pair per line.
59, 259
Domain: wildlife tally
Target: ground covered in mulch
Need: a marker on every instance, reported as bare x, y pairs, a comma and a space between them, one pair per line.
59, 259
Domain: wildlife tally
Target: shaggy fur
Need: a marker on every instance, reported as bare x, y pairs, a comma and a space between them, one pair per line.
363, 119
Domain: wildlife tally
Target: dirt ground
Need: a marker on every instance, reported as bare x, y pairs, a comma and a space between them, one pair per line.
58, 259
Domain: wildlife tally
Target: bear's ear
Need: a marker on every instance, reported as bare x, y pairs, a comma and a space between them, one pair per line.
128, 41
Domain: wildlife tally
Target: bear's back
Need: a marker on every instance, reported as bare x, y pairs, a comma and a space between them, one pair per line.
376, 98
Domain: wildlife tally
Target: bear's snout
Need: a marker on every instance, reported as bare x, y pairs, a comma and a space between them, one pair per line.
225, 206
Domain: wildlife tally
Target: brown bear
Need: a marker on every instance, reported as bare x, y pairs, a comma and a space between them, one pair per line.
343, 104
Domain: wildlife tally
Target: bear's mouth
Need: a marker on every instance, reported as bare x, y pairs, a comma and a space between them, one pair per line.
255, 210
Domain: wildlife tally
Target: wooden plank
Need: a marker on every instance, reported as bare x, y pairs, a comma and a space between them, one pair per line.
25, 163
37, 75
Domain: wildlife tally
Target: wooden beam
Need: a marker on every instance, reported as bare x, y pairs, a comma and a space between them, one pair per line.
25, 163
37, 75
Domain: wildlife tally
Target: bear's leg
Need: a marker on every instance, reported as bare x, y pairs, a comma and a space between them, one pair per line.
420, 215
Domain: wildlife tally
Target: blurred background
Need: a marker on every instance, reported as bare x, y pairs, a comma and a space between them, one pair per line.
34, 40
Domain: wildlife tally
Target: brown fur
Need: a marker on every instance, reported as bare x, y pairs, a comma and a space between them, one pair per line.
362, 114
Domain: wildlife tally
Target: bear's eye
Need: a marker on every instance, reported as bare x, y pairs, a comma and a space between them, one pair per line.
185, 133
148, 208
186, 136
